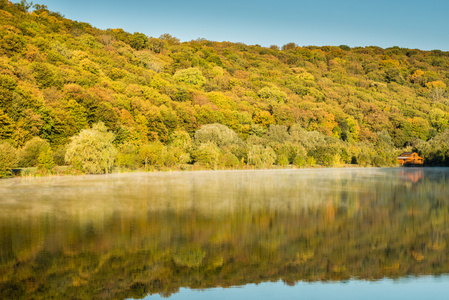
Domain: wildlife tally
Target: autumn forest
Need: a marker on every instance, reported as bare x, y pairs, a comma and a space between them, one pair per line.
139, 102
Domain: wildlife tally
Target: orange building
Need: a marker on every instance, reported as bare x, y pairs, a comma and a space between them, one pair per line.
410, 158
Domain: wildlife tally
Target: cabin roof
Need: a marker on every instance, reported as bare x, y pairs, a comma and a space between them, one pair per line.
409, 155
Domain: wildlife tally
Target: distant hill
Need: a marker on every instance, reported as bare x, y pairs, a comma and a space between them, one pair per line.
59, 76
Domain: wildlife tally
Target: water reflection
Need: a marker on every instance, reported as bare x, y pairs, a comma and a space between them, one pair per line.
129, 235
424, 287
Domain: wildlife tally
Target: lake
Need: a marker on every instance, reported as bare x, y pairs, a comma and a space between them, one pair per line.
276, 234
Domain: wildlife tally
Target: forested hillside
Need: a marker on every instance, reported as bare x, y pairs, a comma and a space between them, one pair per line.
329, 105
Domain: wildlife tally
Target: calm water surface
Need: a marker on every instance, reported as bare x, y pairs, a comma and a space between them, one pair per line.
290, 234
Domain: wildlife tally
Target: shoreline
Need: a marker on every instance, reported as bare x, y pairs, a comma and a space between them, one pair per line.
183, 171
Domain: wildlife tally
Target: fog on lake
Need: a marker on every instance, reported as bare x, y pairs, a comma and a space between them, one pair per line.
130, 235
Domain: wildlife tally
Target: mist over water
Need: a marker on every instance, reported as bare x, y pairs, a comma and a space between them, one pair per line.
207, 192
129, 235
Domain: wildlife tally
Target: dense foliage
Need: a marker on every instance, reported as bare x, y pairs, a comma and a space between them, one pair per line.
355, 105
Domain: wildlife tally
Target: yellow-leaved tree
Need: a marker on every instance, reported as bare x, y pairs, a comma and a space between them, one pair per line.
92, 151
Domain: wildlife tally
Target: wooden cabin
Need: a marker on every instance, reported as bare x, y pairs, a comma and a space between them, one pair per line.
410, 158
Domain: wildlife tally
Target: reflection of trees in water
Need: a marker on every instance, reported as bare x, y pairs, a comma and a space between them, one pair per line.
364, 225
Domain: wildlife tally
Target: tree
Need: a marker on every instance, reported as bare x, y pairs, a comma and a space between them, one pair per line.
263, 118
207, 155
260, 156
190, 76
138, 41
219, 134
92, 151
6, 126
289, 46
23, 5
10, 41
436, 150
8, 158
272, 93
45, 159
277, 134
127, 156
151, 154
171, 40
29, 154
180, 139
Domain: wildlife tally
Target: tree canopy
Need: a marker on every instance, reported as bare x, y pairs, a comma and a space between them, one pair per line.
59, 77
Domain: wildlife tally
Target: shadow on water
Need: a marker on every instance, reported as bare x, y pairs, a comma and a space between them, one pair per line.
130, 235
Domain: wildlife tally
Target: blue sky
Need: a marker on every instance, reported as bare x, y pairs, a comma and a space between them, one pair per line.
384, 23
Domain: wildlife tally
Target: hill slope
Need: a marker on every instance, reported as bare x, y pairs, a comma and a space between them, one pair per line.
59, 76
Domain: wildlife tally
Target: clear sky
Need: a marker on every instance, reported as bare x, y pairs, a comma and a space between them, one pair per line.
384, 23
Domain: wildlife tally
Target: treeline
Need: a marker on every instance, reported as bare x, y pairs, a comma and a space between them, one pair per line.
213, 146
59, 77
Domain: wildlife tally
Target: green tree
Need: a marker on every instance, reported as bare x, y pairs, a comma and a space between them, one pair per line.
274, 94
260, 156
6, 126
180, 139
219, 134
151, 154
29, 154
436, 150
23, 5
277, 134
139, 41
92, 151
8, 158
229, 160
11, 40
45, 159
190, 76
385, 150
363, 158
127, 156
300, 160
207, 155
